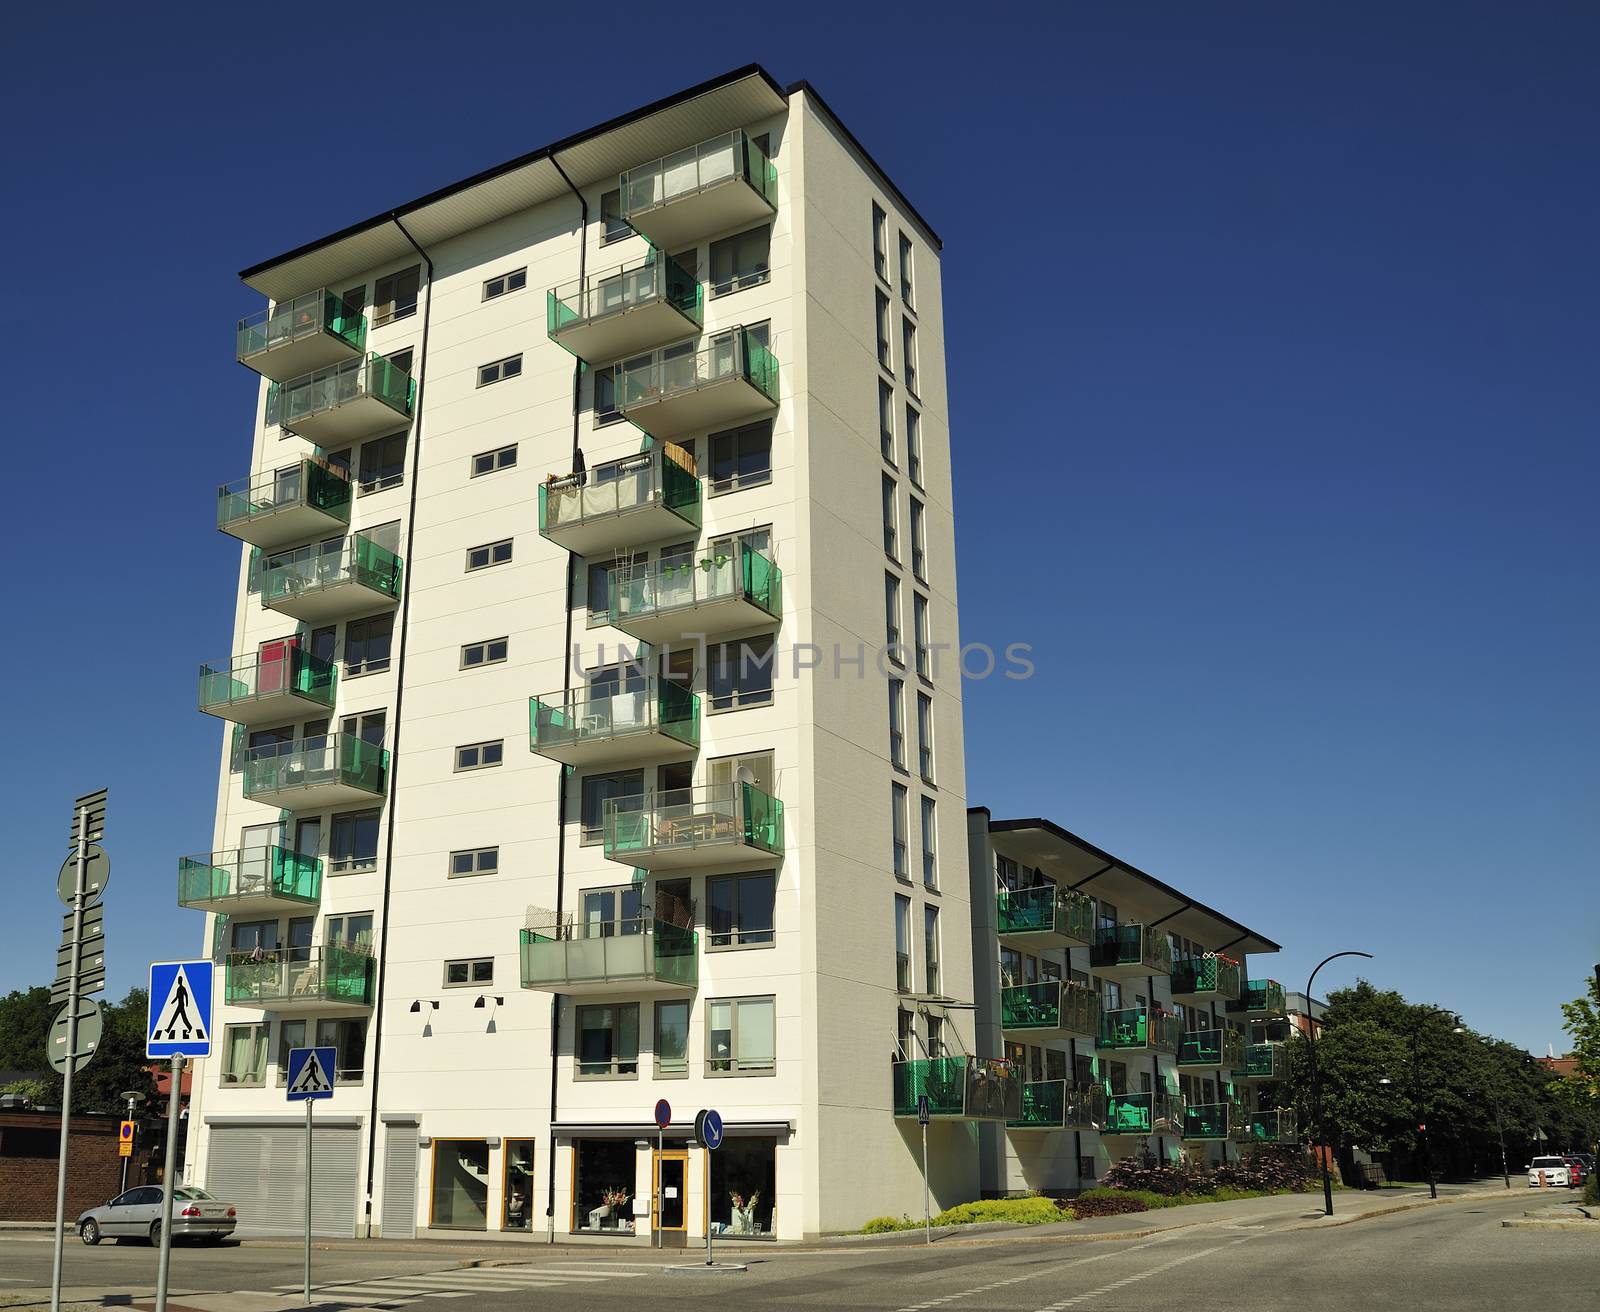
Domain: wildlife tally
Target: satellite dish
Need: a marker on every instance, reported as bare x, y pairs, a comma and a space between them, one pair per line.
745, 775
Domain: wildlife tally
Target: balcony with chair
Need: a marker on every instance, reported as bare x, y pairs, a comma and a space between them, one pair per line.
1224, 1122
958, 1088
1263, 1061
317, 774
331, 581
1279, 1126
1046, 916
647, 718
640, 957
731, 381
294, 337
1126, 952
715, 825
343, 403
633, 308
651, 496
306, 500
1140, 1029
1262, 999
250, 883
1159, 1112
321, 981
1049, 1009
1221, 1047
1060, 1105
1210, 977
278, 683
715, 186
733, 590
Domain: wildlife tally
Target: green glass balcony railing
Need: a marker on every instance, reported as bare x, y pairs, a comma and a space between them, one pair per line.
623, 487
733, 355
1210, 976
725, 158
325, 389
1215, 1120
251, 873
1143, 1113
307, 315
1140, 1029
664, 586
327, 759
1050, 1004
309, 485
1046, 909
593, 955
1261, 997
280, 671
1213, 1047
1060, 1105
658, 279
1131, 947
562, 723
297, 978
1279, 1126
685, 820
355, 560
1263, 1061
961, 1088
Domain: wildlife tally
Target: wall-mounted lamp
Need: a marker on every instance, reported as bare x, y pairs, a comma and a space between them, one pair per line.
417, 1005
483, 1000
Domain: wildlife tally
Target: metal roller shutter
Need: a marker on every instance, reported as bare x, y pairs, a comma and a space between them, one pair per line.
399, 1219
261, 1170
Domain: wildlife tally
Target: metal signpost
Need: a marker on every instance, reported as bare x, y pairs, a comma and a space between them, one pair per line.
922, 1119
311, 1075
178, 1026
708, 1130
663, 1119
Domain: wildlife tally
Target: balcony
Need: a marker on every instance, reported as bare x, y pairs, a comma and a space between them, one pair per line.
1048, 916
732, 380
641, 958
279, 683
1274, 1127
337, 405
295, 981
735, 591
295, 337
713, 187
250, 883
1263, 1061
1050, 1009
648, 719
1060, 1105
1216, 1121
1130, 952
307, 500
1223, 1048
1261, 998
633, 308
958, 1088
1140, 1029
647, 497
681, 828
314, 774
1208, 978
1143, 1113
334, 581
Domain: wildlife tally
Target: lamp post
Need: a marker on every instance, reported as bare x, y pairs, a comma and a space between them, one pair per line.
1316, 1089
1427, 1009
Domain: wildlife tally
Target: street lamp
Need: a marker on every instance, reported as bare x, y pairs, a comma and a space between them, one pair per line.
1316, 1089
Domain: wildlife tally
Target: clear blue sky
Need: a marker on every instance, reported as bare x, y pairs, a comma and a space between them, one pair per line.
1271, 339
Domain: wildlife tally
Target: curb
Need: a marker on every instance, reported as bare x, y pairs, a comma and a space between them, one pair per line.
1324, 1224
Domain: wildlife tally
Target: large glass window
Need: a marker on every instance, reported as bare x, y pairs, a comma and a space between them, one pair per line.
919, 540
891, 545
906, 280
925, 736
599, 789
741, 457
880, 241
930, 949
891, 618
613, 227
672, 1038
914, 444
517, 1194
742, 260
739, 674
395, 296
353, 842
897, 723
244, 1056
291, 1035
348, 1038
367, 644
897, 801
604, 1176
743, 1180
739, 910
383, 463
885, 349
460, 1199
919, 621
608, 1041
741, 1036
886, 420
902, 943
930, 868
908, 353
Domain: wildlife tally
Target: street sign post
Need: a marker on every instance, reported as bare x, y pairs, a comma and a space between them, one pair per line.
708, 1130
311, 1078
923, 1110
663, 1119
178, 1025
125, 1139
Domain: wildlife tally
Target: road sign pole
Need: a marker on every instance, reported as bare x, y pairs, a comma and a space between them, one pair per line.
661, 1147
168, 1183
927, 1221
72, 1056
310, 1103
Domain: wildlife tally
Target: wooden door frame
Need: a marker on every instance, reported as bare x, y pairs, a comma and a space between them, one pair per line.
657, 1156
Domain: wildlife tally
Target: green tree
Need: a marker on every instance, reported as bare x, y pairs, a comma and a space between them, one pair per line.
118, 1064
1582, 1021
25, 1016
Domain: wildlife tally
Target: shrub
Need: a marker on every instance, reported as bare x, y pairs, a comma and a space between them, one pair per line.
1023, 1211
1591, 1190
1106, 1202
882, 1225
1145, 1175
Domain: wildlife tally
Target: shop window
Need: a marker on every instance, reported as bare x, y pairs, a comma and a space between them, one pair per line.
517, 1195
744, 1180
604, 1177
460, 1198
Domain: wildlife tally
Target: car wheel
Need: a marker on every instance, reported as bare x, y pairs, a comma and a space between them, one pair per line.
89, 1232
155, 1232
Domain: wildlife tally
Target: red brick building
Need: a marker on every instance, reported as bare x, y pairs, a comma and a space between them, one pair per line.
29, 1151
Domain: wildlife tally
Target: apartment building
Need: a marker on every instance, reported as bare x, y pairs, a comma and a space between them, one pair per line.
586, 739
1123, 1006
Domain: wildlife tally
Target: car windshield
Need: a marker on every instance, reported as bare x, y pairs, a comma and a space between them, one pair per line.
1548, 1161
197, 1194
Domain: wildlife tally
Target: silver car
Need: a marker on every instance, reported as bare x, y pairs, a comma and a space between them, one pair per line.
137, 1215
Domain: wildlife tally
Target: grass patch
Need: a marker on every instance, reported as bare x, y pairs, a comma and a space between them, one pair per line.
1019, 1211
1153, 1201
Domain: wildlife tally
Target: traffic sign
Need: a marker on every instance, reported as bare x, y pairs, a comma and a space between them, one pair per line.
91, 1024
180, 1009
663, 1114
96, 875
311, 1073
922, 1109
708, 1129
125, 1139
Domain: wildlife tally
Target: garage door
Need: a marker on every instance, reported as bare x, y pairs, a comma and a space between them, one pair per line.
400, 1181
261, 1170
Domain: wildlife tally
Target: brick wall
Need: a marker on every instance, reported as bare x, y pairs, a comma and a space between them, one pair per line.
29, 1143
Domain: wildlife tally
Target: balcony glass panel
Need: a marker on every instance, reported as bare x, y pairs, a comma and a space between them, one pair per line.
662, 587
731, 356
968, 1088
1211, 975
1131, 946
579, 716
657, 279
657, 477
324, 389
1050, 1005
708, 164
356, 559
1140, 1028
327, 759
1213, 1047
1060, 1105
249, 873
310, 484
1262, 997
735, 815
1143, 1113
1046, 909
1264, 1061
1214, 1120
280, 671
307, 315
1274, 1127
300, 976
598, 953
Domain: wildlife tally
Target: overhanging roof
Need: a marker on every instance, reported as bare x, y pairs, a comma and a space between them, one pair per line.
1068, 859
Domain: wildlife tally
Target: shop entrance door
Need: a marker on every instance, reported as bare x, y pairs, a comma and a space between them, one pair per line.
671, 1180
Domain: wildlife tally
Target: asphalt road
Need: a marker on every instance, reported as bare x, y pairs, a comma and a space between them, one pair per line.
1456, 1257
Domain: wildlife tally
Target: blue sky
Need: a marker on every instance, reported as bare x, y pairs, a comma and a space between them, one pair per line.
1269, 328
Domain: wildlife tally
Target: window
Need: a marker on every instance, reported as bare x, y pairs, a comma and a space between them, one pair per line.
905, 272
518, 1190
930, 952
349, 931
1010, 967
480, 756
891, 610
672, 1039
475, 861
739, 674
914, 445
459, 1197
897, 723
902, 943
741, 457
613, 227
880, 242
492, 652
514, 281
930, 868
370, 726
490, 462
935, 1037
607, 1043
348, 1039
885, 351
492, 553
919, 544
908, 353
890, 544
627, 787
499, 370
886, 420
355, 299
919, 619
897, 801
461, 974
601, 576
353, 842
741, 261
739, 910
244, 1056
291, 1035
383, 463
401, 360
395, 297
605, 388
367, 643
608, 912
925, 736
741, 1037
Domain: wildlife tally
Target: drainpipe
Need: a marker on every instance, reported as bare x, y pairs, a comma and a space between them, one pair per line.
419, 372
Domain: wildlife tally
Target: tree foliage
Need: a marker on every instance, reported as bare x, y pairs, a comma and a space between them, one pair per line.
1582, 1021
119, 1064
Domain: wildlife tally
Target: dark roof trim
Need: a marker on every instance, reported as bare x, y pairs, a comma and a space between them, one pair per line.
522, 161
877, 168
1050, 826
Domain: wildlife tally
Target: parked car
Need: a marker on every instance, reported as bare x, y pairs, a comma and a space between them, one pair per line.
1549, 1173
137, 1215
1576, 1166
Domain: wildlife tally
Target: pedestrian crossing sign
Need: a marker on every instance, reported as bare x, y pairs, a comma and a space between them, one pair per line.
180, 1009
311, 1073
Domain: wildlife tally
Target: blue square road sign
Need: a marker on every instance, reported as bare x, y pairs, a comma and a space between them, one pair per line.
311, 1074
179, 1017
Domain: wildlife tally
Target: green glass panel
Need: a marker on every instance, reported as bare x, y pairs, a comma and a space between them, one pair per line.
1044, 1103
331, 758
248, 677
1127, 1027
1047, 908
323, 389
1132, 945
307, 484
658, 278
358, 559
680, 489
249, 872
675, 954
1050, 1004
760, 366
1213, 1047
288, 321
